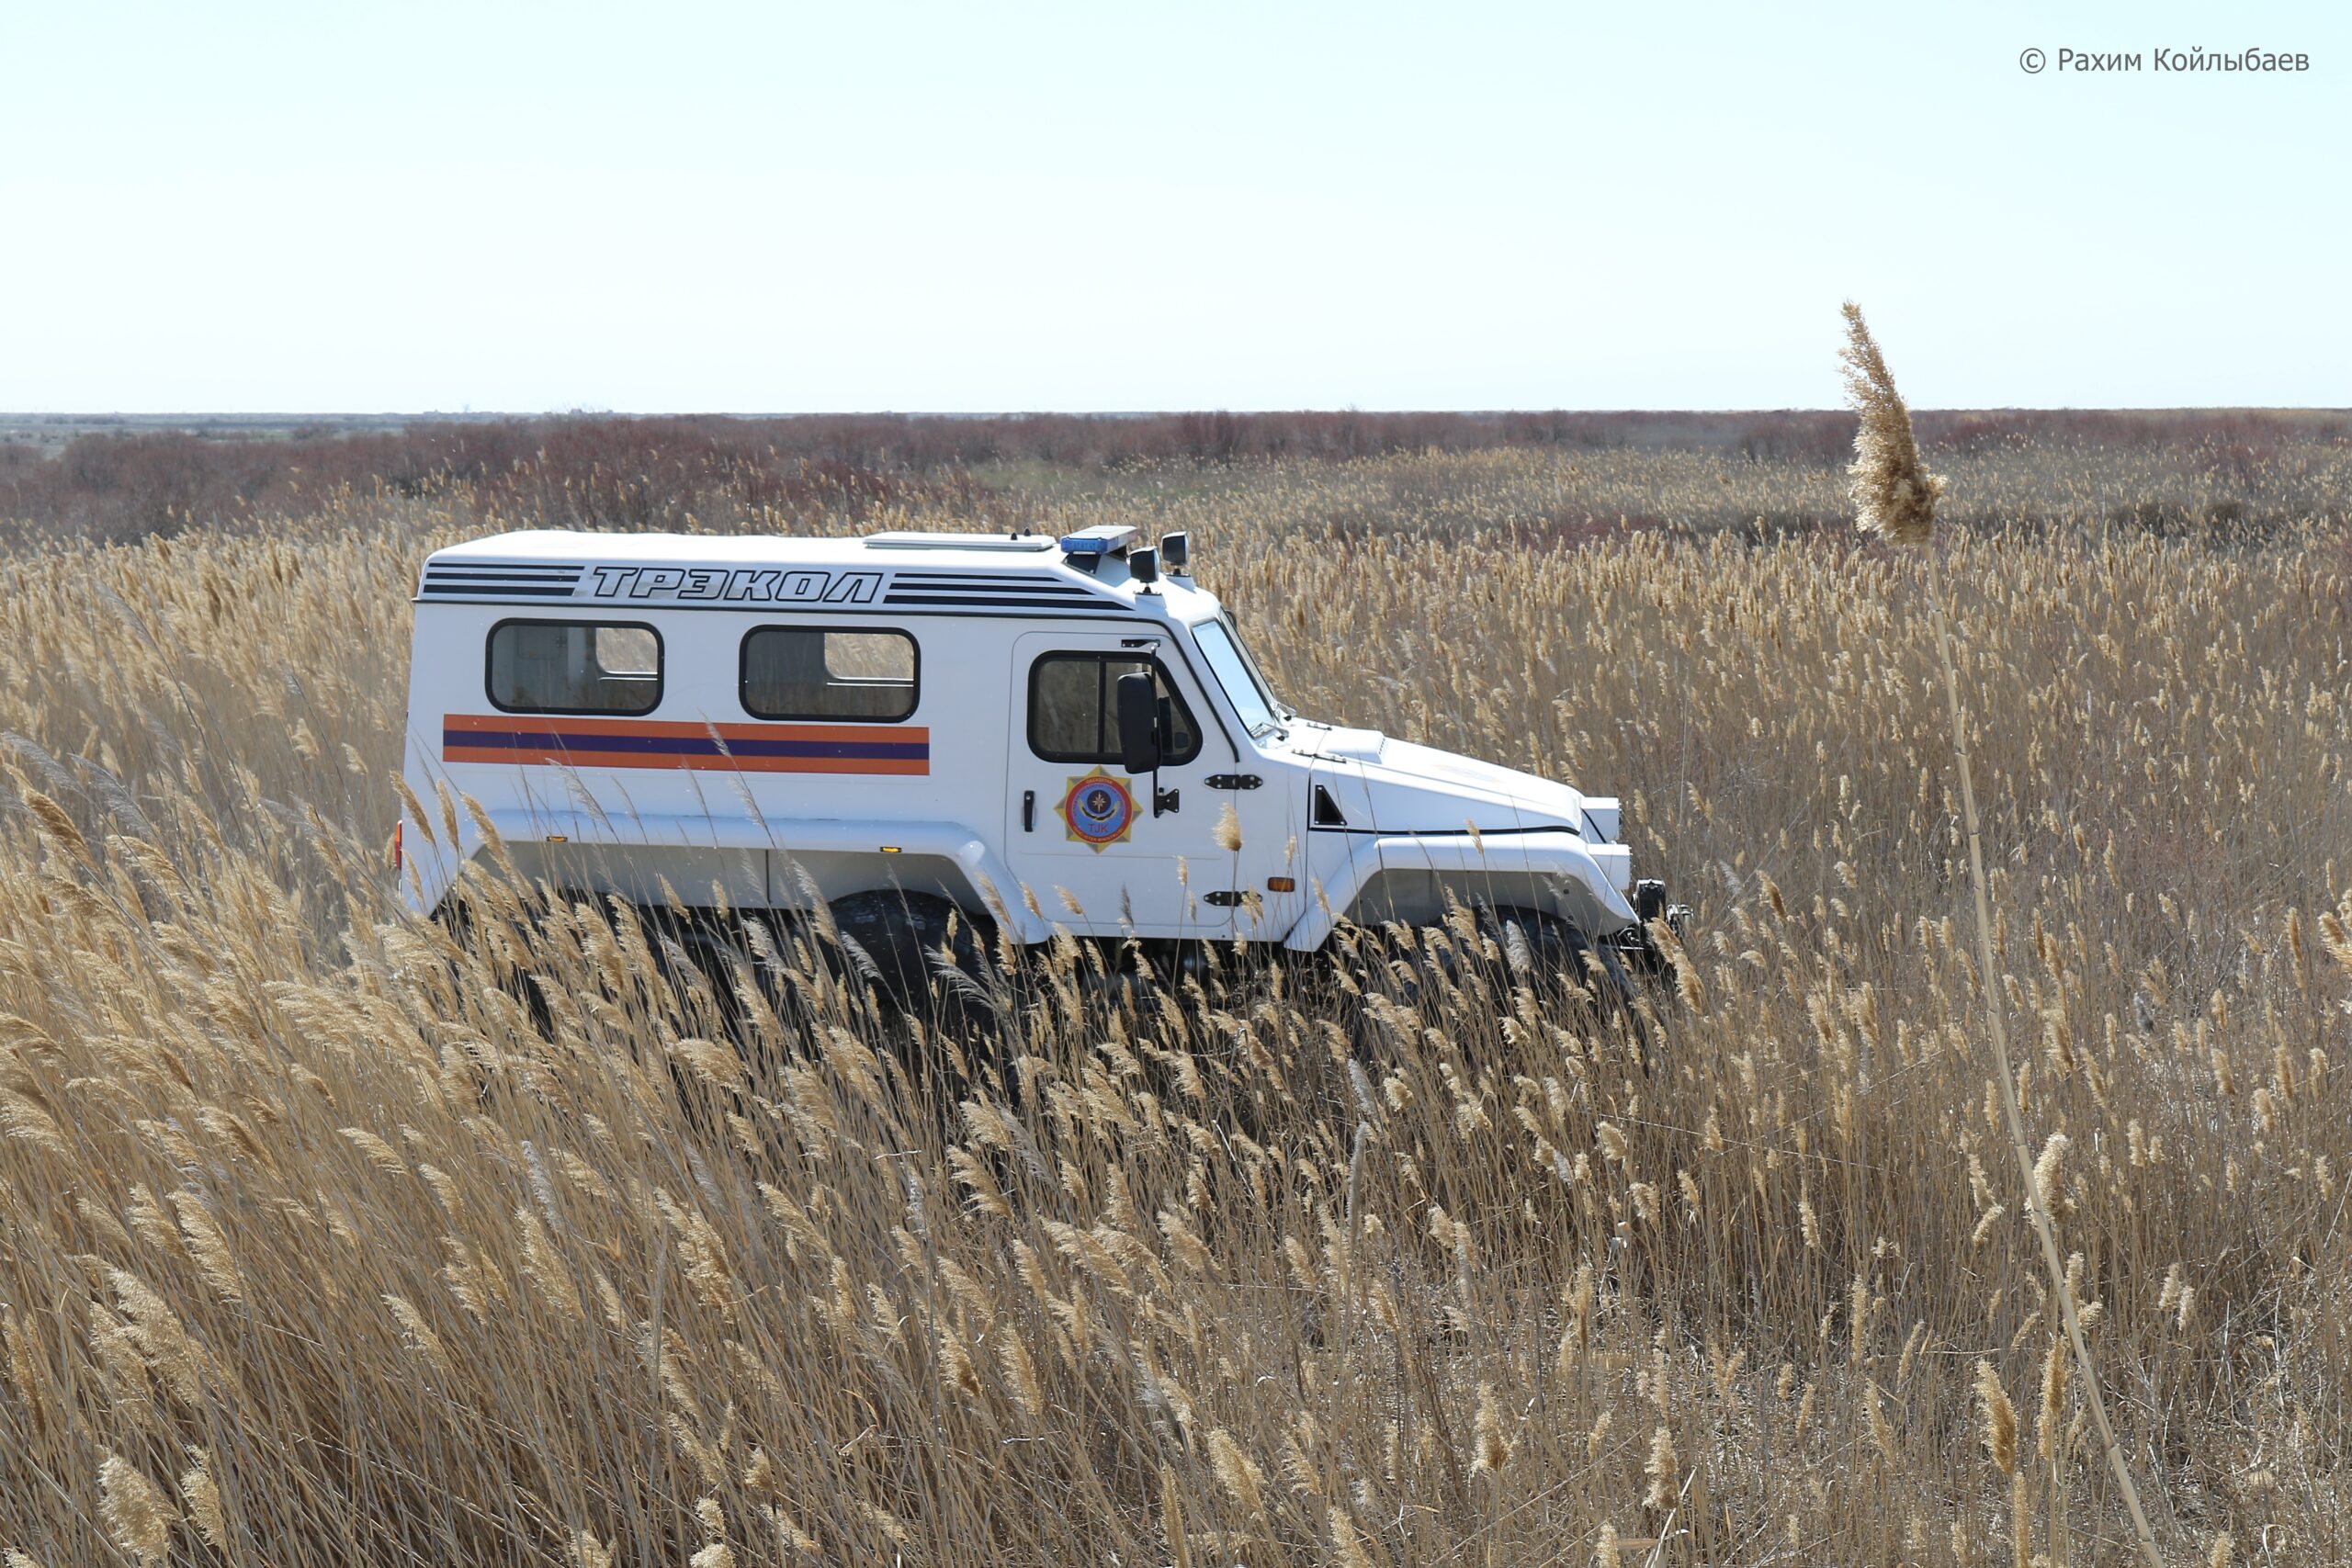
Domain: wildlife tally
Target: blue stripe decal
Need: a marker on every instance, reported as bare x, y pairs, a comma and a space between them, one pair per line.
679, 746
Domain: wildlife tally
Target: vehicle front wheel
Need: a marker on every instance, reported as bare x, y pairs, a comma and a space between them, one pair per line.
1550, 948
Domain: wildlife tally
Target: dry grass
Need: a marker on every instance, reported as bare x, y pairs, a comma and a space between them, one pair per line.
317, 1250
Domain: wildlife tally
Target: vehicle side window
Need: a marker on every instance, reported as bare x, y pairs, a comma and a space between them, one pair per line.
574, 667
863, 677
1073, 708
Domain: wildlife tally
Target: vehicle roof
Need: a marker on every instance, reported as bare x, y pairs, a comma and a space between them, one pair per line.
996, 550
1026, 554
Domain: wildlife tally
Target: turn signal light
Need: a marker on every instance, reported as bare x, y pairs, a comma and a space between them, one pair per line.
1281, 884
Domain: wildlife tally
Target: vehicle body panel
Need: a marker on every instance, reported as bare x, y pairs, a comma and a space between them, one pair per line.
695, 799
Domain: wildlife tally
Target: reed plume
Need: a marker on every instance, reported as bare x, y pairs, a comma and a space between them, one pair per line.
1493, 1448
2000, 1419
1894, 494
135, 1510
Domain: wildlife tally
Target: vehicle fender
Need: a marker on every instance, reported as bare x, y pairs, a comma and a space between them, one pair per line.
1586, 891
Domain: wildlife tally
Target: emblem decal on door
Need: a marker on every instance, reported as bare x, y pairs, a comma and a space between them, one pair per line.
1098, 809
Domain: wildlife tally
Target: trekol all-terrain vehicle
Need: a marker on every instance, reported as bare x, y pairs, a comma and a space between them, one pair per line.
1032, 731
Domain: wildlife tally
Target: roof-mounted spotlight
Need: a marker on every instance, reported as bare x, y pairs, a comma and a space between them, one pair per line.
1175, 554
1086, 548
1144, 567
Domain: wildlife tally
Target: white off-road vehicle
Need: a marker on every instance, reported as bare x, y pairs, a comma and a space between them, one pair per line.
1033, 732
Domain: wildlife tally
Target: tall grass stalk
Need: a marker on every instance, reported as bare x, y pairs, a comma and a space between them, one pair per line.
1895, 496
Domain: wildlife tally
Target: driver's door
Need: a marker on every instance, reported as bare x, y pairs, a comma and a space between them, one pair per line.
1081, 828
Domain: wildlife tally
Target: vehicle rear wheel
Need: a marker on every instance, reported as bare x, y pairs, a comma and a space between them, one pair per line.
928, 959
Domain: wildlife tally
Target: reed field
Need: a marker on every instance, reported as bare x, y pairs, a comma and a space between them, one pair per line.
332, 1236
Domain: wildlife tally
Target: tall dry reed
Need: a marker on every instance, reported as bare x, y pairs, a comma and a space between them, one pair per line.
1894, 497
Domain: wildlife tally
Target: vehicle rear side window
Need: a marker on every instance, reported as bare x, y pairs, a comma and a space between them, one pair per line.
575, 667
1074, 711
860, 677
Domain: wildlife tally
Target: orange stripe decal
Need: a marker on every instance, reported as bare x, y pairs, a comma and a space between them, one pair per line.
529, 739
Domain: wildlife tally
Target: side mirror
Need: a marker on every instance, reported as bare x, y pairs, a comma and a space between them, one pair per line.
1138, 723
1175, 553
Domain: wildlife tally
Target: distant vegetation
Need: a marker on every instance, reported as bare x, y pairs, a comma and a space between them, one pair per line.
2161, 471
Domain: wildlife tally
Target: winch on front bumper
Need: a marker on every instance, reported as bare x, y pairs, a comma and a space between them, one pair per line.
1636, 944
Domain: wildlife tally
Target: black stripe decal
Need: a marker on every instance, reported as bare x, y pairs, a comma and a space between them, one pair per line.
1567, 828
1008, 602
987, 577
1059, 590
461, 591
1059, 609
1034, 591
996, 577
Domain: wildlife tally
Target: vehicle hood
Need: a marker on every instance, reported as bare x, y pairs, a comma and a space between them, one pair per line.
1404, 788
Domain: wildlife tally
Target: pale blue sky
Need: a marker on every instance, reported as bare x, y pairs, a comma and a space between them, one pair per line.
932, 206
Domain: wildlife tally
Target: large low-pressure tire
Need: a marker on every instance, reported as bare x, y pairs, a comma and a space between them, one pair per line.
902, 935
1555, 949
1530, 947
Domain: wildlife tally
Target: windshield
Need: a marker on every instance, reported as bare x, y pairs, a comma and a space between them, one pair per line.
1236, 674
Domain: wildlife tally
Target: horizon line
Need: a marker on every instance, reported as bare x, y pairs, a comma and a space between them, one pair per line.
71, 416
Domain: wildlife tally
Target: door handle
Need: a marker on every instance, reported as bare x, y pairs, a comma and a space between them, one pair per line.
1028, 810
